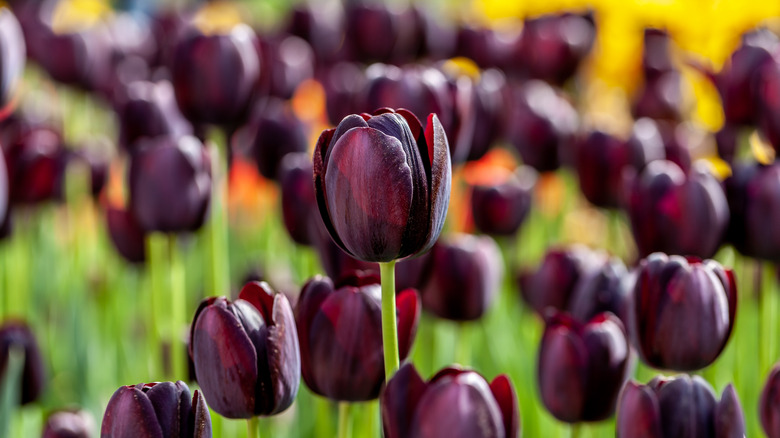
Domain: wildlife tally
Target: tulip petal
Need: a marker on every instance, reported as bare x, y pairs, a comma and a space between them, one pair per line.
439, 178
201, 419
408, 305
261, 295
563, 361
729, 420
130, 414
400, 400
639, 415
608, 365
171, 403
314, 292
769, 405
284, 360
687, 407
505, 395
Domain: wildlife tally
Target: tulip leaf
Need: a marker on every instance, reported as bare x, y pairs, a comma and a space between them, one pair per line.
10, 387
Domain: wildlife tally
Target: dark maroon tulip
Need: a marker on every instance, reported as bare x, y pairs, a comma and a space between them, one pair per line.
455, 403
36, 160
383, 183
165, 24
170, 184
681, 407
726, 141
466, 275
678, 140
12, 54
287, 62
478, 44
554, 281
768, 98
215, 75
656, 54
149, 110
91, 162
272, 132
582, 366
500, 209
489, 113
677, 213
340, 329
541, 125
683, 311
128, 237
343, 83
246, 353
438, 37
156, 410
769, 405
753, 192
660, 98
69, 424
379, 33
299, 204
17, 334
321, 24
605, 288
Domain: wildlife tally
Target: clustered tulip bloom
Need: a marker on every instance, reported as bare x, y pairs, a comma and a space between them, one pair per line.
769, 405
152, 410
455, 403
383, 184
16, 334
246, 353
683, 311
69, 424
753, 192
340, 332
500, 209
582, 367
682, 407
12, 54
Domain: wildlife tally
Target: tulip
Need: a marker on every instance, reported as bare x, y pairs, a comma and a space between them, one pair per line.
660, 98
465, 277
542, 125
726, 140
69, 424
682, 406
489, 113
678, 140
606, 288
341, 335
17, 334
656, 55
321, 24
288, 61
582, 366
128, 237
163, 409
272, 132
246, 353
455, 403
149, 110
35, 156
343, 83
12, 54
478, 44
683, 311
170, 184
677, 213
500, 209
769, 405
299, 205
768, 114
753, 192
378, 33
215, 75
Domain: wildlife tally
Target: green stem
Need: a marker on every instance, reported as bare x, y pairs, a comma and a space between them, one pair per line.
345, 423
574, 430
218, 232
10, 385
156, 249
178, 304
253, 427
768, 313
463, 346
389, 330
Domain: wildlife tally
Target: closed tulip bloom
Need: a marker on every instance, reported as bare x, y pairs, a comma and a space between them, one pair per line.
656, 53
340, 329
170, 184
465, 277
383, 184
69, 424
499, 209
126, 234
246, 353
18, 335
677, 213
12, 54
582, 366
321, 24
680, 407
377, 33
156, 410
343, 83
299, 205
455, 403
683, 311
287, 62
753, 192
660, 98
149, 110
489, 113
606, 288
215, 75
36, 158
769, 405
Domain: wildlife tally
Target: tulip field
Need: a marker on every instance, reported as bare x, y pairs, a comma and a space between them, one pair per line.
469, 219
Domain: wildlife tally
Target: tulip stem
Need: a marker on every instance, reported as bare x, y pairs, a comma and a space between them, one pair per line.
178, 304
574, 431
345, 420
463, 345
155, 246
217, 226
253, 427
389, 330
767, 313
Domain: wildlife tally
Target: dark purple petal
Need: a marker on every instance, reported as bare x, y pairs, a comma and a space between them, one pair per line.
506, 397
128, 237
130, 414
201, 419
439, 178
729, 420
69, 424
639, 415
408, 305
769, 404
562, 372
172, 406
687, 407
400, 400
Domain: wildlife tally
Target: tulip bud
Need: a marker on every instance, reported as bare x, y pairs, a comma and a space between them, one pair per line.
683, 311
677, 213
681, 406
128, 237
170, 184
246, 353
69, 424
383, 183
340, 329
18, 335
500, 209
149, 410
12, 54
769, 405
753, 192
582, 366
466, 275
455, 403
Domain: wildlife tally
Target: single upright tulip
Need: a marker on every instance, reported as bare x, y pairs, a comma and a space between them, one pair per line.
287, 61
582, 366
660, 98
36, 157
170, 184
321, 24
677, 213
17, 334
340, 330
683, 311
681, 407
606, 288
343, 83
769, 405
753, 192
214, 75
656, 53
465, 277
126, 234
489, 113
455, 403
500, 209
69, 424
12, 54
382, 184
378, 33
152, 410
246, 353
299, 205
